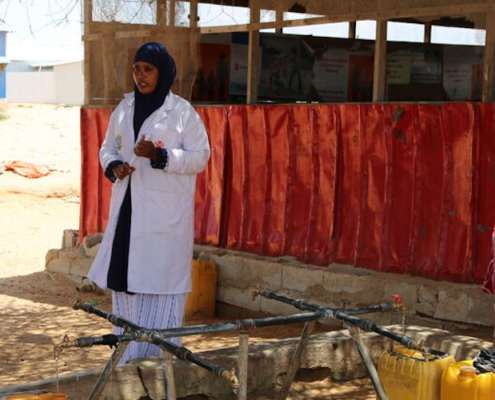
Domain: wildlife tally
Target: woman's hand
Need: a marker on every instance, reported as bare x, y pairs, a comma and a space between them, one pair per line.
122, 170
145, 148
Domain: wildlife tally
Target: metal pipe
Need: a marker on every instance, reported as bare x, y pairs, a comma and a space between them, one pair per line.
365, 356
295, 362
243, 365
115, 319
365, 324
111, 364
185, 354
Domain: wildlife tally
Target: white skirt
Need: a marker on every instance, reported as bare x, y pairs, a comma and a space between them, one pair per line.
153, 311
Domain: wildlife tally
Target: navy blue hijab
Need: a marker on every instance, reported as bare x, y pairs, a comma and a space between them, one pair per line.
145, 104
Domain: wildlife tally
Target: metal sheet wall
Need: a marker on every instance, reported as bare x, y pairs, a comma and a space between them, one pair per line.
399, 188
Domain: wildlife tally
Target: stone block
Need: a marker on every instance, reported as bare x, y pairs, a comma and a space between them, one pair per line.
92, 240
80, 267
61, 265
452, 304
91, 252
69, 238
303, 279
51, 255
238, 297
427, 299
480, 307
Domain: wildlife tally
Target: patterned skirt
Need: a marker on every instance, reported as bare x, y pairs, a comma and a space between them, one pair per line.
153, 311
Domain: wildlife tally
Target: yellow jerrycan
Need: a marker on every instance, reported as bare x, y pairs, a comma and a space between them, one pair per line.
461, 382
409, 375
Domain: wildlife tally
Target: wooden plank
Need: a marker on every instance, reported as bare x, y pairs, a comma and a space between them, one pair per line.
279, 17
427, 32
253, 57
161, 13
489, 61
141, 33
369, 15
88, 19
380, 68
171, 13
193, 13
352, 29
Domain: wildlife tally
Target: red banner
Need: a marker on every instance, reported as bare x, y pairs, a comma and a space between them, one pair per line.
399, 188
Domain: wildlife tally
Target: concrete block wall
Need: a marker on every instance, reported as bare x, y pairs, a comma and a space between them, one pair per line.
431, 303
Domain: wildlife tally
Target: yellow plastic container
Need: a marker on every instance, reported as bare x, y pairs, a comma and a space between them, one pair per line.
407, 375
40, 396
203, 296
460, 382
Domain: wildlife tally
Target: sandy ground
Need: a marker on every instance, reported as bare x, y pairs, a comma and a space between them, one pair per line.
36, 306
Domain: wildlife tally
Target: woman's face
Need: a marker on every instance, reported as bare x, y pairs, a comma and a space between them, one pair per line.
145, 77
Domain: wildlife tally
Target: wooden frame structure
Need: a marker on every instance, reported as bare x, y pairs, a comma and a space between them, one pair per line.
455, 13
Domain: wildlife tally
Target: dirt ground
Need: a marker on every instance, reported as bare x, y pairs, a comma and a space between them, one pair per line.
36, 306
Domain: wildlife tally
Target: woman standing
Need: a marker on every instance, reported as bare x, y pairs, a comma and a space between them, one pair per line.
155, 146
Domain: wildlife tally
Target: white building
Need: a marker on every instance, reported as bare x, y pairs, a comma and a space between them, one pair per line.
57, 82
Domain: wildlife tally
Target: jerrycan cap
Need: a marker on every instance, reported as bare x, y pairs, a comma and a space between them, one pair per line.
467, 372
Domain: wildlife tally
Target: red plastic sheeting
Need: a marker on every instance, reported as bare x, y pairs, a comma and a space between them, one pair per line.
401, 188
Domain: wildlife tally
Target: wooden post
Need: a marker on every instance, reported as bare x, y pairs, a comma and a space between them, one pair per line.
279, 17
352, 30
488, 66
161, 13
380, 69
171, 13
253, 56
427, 32
193, 13
88, 19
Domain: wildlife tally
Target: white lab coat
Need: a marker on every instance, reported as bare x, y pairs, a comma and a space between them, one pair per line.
162, 222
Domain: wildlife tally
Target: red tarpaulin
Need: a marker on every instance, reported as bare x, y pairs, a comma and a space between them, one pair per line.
399, 188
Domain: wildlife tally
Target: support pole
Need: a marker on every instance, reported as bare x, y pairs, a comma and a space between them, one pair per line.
193, 13
243, 365
279, 17
107, 371
161, 13
295, 362
427, 32
88, 19
168, 376
380, 69
352, 30
365, 355
171, 13
253, 56
489, 62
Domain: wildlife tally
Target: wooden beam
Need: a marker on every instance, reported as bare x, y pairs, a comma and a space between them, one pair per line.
142, 33
352, 29
380, 68
193, 13
171, 13
427, 32
88, 19
161, 13
432, 11
279, 17
489, 62
253, 56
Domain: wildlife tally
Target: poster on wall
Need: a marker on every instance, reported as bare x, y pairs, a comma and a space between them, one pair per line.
331, 72
462, 67
399, 67
212, 79
286, 68
426, 66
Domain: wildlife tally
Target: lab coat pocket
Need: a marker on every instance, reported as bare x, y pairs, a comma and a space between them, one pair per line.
166, 212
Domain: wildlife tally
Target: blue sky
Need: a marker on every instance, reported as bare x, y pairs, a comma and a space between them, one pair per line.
51, 29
